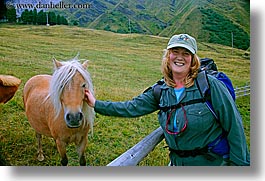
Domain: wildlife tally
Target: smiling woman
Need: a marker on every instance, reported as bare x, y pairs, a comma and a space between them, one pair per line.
191, 131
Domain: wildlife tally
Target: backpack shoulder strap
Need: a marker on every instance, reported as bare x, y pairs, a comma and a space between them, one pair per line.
202, 83
204, 88
157, 89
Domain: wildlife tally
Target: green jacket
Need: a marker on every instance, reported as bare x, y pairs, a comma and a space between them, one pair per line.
202, 127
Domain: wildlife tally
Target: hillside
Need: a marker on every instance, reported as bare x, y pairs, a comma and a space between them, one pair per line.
225, 22
213, 21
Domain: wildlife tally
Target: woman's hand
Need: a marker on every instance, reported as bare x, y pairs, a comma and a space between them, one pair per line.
89, 98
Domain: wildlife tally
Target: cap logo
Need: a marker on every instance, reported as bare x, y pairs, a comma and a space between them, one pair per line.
183, 37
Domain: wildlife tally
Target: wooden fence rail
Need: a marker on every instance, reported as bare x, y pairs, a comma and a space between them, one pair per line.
138, 152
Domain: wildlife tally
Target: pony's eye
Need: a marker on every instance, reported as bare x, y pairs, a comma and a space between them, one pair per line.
84, 85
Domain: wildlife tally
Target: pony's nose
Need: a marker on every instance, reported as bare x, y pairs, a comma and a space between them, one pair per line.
73, 120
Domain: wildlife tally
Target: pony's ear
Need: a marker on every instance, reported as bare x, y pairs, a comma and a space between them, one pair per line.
85, 64
56, 63
76, 57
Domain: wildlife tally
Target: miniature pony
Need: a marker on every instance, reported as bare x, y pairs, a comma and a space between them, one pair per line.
55, 107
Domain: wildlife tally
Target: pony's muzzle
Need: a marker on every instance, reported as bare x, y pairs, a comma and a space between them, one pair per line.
74, 120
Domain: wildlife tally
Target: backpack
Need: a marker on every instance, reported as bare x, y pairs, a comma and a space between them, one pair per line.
208, 65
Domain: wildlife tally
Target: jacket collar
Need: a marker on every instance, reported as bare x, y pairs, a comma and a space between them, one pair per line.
192, 88
172, 92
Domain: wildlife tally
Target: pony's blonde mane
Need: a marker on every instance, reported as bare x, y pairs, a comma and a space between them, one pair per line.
61, 77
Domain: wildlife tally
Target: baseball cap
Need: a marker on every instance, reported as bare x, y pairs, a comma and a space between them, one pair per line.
184, 41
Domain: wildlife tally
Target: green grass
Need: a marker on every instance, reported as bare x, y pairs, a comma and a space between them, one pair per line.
121, 66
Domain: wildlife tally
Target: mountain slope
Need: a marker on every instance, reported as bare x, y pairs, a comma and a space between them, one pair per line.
214, 21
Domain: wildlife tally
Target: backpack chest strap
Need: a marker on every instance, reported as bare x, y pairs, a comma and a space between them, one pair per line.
177, 106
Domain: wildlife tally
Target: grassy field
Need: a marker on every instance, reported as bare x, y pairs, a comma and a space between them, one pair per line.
121, 66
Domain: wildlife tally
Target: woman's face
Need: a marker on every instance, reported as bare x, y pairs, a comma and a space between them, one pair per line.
180, 61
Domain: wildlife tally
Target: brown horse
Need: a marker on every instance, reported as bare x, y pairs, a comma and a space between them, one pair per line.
55, 107
8, 87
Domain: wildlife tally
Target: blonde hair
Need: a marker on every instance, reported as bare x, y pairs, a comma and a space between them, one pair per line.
167, 72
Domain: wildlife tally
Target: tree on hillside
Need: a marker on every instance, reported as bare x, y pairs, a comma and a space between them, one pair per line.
25, 17
61, 20
75, 22
2, 10
35, 15
58, 20
64, 20
11, 15
52, 18
41, 18
30, 17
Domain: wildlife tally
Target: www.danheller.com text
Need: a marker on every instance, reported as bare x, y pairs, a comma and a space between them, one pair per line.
51, 5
